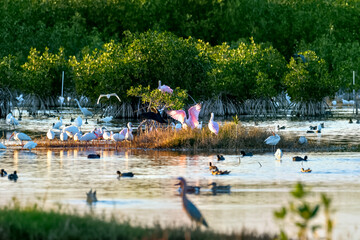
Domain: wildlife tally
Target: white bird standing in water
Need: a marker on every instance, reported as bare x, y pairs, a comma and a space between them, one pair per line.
272, 140
84, 111
20, 137
278, 154
108, 97
30, 145
78, 122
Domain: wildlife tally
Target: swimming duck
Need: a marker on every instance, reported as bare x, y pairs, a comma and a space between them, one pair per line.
127, 174
3, 173
313, 127
220, 157
189, 189
280, 128
305, 170
219, 172
212, 168
93, 155
298, 159
219, 189
13, 176
250, 154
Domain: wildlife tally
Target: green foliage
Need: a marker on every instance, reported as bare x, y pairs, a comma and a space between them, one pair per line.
309, 80
42, 72
158, 99
10, 73
248, 71
302, 213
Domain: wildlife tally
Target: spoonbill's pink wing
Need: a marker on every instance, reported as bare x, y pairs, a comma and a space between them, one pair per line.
165, 88
214, 127
194, 115
178, 115
123, 132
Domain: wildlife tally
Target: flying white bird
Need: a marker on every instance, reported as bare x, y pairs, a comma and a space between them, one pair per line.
108, 96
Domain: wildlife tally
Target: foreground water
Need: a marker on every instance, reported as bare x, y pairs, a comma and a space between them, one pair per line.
259, 185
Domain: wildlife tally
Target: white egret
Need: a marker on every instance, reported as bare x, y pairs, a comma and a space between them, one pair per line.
108, 97
84, 111
129, 136
278, 154
78, 121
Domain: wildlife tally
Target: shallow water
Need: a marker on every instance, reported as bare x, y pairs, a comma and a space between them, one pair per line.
63, 177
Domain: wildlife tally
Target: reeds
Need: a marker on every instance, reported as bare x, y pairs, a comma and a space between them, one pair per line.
232, 138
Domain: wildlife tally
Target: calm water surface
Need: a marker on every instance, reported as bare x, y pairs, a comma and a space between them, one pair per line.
63, 177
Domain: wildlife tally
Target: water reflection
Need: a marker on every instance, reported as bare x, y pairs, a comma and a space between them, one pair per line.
63, 176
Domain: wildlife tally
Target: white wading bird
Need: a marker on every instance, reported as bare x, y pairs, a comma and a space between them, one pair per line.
50, 134
84, 111
20, 137
30, 145
108, 96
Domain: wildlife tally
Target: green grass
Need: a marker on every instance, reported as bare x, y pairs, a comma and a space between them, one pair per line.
33, 223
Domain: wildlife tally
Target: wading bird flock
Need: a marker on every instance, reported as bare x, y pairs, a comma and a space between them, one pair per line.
64, 133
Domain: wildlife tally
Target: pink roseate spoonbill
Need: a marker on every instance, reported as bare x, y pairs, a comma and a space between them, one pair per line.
20, 137
129, 136
180, 115
272, 140
213, 126
117, 137
108, 97
164, 88
30, 145
191, 210
50, 134
278, 154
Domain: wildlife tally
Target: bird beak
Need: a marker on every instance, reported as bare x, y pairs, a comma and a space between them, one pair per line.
177, 184
11, 136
